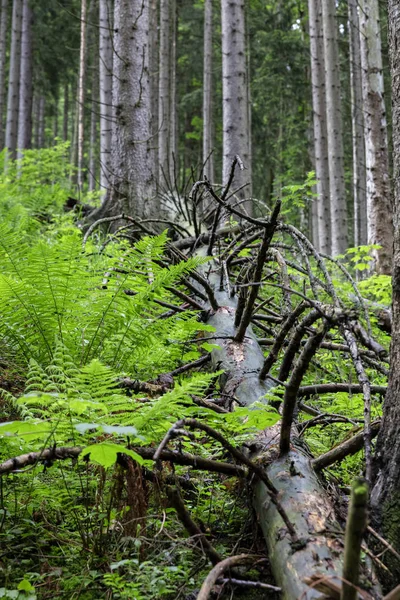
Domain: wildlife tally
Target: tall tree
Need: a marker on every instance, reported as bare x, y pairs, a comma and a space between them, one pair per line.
41, 121
323, 227
380, 226
105, 88
81, 92
164, 89
3, 45
173, 140
133, 182
153, 62
208, 141
14, 79
26, 83
357, 118
334, 128
385, 496
234, 94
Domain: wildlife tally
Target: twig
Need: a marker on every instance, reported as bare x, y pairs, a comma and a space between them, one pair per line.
192, 365
219, 570
347, 448
251, 584
308, 391
295, 343
384, 542
289, 401
176, 501
355, 528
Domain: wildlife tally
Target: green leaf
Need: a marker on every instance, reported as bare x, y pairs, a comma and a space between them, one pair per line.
25, 586
210, 347
105, 453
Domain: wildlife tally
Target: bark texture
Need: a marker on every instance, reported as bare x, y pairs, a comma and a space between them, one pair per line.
164, 94
173, 141
153, 65
234, 95
380, 225
357, 120
334, 129
14, 79
385, 497
105, 85
132, 148
3, 40
208, 142
323, 218
41, 122
26, 84
81, 91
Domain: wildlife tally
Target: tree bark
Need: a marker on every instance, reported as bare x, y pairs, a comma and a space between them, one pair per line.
81, 92
3, 43
357, 119
173, 142
334, 128
26, 81
385, 497
93, 132
14, 79
41, 126
105, 86
154, 76
320, 127
234, 96
164, 94
379, 210
66, 113
208, 141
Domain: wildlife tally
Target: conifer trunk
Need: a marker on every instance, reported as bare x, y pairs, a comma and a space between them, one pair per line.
380, 224
164, 94
105, 88
81, 92
14, 79
208, 142
334, 128
322, 211
154, 76
357, 118
173, 141
41, 126
234, 95
66, 113
26, 83
3, 40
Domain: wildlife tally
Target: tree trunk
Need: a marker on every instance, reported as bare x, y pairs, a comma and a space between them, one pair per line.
320, 128
26, 81
55, 122
14, 79
105, 87
154, 76
334, 128
41, 127
385, 497
66, 113
357, 121
164, 94
380, 225
93, 132
3, 40
234, 92
208, 141
81, 92
173, 143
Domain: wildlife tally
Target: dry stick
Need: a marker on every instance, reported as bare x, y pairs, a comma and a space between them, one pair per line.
280, 339
346, 448
262, 255
122, 216
366, 387
251, 584
219, 570
308, 391
355, 528
295, 343
393, 595
289, 401
197, 462
313, 280
368, 341
199, 362
388, 546
176, 501
241, 247
277, 256
186, 298
254, 468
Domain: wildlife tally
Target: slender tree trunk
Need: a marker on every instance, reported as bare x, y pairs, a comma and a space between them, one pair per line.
385, 497
26, 80
173, 144
334, 129
42, 122
357, 119
133, 189
14, 79
66, 113
81, 92
55, 122
105, 85
154, 75
208, 141
322, 203
93, 132
3, 44
164, 93
249, 166
380, 226
234, 92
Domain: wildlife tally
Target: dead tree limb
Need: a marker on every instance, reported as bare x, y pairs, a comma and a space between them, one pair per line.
220, 569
